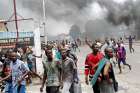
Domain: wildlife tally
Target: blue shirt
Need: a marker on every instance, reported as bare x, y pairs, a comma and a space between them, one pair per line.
18, 70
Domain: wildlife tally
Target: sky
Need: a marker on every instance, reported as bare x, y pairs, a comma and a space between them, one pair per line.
60, 14
120, 1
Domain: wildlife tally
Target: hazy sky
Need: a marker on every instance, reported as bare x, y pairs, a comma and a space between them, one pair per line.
60, 14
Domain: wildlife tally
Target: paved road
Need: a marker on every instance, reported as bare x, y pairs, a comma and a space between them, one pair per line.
129, 81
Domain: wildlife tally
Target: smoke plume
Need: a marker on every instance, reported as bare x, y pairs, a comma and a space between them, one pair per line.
62, 14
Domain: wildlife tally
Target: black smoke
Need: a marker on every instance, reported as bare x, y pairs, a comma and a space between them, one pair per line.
76, 12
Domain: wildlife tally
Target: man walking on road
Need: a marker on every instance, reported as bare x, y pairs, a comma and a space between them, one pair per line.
19, 72
68, 71
130, 38
52, 73
121, 57
91, 63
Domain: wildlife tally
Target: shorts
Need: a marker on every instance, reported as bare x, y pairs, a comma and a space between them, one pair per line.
121, 60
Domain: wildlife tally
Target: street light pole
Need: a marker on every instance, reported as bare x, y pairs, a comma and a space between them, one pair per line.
44, 22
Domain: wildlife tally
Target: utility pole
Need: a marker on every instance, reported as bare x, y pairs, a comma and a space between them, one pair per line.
44, 22
16, 23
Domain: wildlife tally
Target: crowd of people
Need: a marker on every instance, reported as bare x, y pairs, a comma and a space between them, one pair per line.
100, 62
60, 67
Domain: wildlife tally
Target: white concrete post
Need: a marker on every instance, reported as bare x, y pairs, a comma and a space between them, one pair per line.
37, 43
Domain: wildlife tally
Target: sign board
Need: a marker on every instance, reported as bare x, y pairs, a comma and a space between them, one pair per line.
10, 35
8, 39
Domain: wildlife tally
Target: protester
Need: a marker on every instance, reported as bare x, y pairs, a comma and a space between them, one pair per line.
30, 62
19, 72
104, 73
130, 39
52, 73
121, 57
7, 77
91, 63
68, 70
76, 78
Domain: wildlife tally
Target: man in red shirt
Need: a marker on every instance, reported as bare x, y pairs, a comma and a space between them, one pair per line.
91, 63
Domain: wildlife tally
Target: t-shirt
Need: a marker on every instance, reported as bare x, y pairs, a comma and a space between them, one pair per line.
90, 62
68, 68
52, 71
19, 68
121, 52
